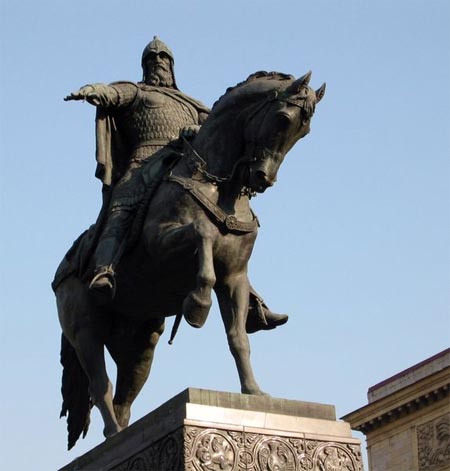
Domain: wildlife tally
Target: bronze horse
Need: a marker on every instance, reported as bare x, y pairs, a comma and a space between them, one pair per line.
197, 235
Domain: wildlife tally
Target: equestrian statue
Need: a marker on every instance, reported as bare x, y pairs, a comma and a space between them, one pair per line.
174, 225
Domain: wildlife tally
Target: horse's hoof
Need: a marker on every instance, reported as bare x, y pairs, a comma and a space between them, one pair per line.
122, 413
109, 432
196, 310
254, 392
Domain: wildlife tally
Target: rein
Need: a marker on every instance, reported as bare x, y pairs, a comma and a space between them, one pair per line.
200, 165
228, 221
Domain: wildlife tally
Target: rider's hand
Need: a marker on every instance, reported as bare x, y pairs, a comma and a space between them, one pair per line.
190, 131
85, 93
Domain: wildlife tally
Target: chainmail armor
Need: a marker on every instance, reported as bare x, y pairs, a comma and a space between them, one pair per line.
157, 118
152, 121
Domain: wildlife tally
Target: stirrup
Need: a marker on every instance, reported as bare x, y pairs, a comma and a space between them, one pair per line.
260, 317
274, 320
104, 281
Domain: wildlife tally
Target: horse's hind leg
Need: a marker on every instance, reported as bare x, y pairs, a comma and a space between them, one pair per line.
233, 297
91, 354
132, 348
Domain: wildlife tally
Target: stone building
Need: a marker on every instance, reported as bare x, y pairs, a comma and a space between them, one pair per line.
407, 419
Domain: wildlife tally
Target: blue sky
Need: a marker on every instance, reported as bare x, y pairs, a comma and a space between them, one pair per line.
354, 238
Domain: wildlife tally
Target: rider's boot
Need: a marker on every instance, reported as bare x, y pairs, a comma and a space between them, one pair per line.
104, 281
260, 317
107, 253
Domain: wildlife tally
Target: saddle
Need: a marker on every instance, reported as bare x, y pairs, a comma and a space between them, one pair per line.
77, 259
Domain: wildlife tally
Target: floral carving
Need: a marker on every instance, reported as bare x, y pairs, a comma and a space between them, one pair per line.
163, 455
137, 464
213, 451
170, 456
433, 444
275, 454
334, 458
210, 449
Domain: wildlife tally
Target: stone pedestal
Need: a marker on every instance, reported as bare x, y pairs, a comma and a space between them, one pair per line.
207, 431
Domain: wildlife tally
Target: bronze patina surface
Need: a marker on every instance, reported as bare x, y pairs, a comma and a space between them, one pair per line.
176, 223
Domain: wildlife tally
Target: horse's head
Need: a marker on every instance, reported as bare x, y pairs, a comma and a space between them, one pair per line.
274, 124
252, 127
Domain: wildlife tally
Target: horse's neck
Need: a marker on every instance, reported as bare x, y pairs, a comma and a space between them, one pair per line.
226, 194
220, 147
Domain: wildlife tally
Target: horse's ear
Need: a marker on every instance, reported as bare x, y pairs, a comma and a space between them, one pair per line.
295, 87
320, 92
306, 78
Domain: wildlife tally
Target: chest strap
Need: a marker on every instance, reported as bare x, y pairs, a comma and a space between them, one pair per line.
230, 221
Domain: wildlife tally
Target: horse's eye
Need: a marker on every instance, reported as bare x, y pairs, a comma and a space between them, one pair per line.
283, 120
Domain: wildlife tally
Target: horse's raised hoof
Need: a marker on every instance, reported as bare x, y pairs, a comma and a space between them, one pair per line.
196, 310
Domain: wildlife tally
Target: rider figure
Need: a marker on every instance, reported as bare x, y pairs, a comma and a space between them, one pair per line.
134, 121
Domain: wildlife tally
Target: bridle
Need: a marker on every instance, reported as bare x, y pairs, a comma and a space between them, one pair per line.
228, 222
200, 165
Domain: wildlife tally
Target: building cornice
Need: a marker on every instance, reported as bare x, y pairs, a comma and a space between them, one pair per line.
403, 402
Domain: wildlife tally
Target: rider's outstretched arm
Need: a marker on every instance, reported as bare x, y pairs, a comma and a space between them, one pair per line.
106, 96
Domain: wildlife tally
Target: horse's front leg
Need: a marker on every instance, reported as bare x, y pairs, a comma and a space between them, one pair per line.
233, 297
174, 241
198, 302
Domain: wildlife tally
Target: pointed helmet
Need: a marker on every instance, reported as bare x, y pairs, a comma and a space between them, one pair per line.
156, 46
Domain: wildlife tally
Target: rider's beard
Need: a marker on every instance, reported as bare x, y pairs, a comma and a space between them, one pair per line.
160, 78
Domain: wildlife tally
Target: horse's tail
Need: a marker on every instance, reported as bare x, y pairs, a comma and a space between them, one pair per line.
76, 400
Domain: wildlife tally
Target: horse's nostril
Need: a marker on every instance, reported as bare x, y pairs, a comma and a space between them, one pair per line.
262, 178
260, 175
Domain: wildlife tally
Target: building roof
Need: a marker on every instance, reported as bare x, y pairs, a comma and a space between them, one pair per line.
404, 393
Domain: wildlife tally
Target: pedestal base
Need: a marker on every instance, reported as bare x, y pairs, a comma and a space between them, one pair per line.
203, 430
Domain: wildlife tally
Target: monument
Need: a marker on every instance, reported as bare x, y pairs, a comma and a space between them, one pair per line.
175, 224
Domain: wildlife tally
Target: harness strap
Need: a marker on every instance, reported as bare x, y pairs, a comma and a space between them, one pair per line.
230, 222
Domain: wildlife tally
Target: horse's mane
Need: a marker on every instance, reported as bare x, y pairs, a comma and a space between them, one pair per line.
262, 74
